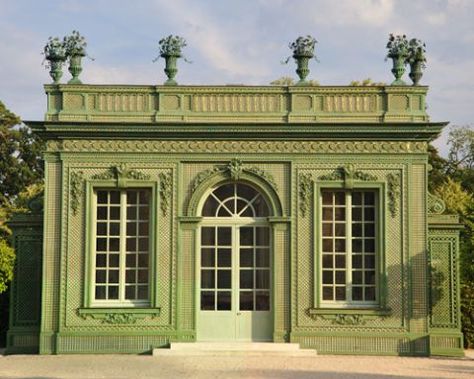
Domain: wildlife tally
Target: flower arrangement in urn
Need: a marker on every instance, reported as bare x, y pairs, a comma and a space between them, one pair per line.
171, 49
75, 45
398, 51
55, 53
416, 59
303, 51
72, 48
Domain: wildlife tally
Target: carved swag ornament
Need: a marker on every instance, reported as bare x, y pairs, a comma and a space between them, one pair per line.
234, 170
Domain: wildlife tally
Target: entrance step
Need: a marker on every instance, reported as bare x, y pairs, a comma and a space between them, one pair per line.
234, 348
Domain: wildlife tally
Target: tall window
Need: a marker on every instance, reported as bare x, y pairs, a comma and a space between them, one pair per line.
121, 253
349, 247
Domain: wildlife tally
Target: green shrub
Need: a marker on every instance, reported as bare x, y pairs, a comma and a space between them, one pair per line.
467, 313
7, 260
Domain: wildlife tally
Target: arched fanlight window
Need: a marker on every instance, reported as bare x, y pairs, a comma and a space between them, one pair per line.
235, 200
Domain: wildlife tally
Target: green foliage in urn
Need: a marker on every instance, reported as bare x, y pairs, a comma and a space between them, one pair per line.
303, 51
55, 53
397, 46
54, 49
398, 51
171, 45
416, 52
416, 59
75, 44
171, 49
304, 46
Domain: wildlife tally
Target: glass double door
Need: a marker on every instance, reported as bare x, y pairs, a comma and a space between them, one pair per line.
234, 282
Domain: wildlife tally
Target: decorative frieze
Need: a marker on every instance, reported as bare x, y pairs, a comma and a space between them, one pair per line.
192, 146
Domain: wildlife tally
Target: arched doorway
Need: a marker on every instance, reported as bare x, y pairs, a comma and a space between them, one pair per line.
234, 262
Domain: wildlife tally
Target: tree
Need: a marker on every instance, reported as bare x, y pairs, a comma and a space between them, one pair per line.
21, 172
461, 155
20, 161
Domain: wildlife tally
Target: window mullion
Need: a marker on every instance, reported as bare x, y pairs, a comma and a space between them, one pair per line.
349, 247
123, 233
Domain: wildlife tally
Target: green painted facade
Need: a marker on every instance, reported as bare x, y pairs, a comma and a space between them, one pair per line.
290, 144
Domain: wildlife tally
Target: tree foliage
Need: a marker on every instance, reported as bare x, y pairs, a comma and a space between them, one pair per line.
20, 162
452, 179
7, 260
21, 172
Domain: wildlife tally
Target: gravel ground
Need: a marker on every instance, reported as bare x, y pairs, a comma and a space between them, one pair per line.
327, 367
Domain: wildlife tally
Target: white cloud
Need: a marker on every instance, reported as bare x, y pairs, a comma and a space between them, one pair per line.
350, 12
212, 38
436, 19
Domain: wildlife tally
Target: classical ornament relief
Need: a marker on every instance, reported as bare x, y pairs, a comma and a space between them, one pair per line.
349, 174
344, 319
263, 174
166, 186
117, 317
305, 192
393, 186
436, 206
121, 173
76, 185
297, 147
234, 170
203, 176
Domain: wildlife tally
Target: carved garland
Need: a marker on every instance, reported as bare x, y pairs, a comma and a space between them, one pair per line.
166, 186
234, 170
346, 319
305, 192
393, 187
76, 190
118, 318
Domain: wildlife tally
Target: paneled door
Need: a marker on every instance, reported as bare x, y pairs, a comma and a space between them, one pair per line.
234, 270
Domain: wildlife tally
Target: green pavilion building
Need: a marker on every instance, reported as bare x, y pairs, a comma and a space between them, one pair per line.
280, 214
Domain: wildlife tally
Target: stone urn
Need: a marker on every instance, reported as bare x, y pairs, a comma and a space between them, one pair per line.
302, 62
171, 68
416, 71
75, 68
55, 53
56, 68
398, 69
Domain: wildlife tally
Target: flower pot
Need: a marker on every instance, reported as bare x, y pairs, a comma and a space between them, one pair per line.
56, 68
170, 68
75, 68
398, 70
416, 71
302, 67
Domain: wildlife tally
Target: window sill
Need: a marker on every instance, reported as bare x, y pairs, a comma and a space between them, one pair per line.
118, 315
348, 316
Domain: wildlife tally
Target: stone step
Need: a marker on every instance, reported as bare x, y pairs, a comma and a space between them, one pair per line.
234, 349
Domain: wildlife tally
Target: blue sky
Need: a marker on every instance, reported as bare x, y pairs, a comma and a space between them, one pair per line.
243, 41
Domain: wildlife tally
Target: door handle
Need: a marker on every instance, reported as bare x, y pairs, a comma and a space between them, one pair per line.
238, 313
